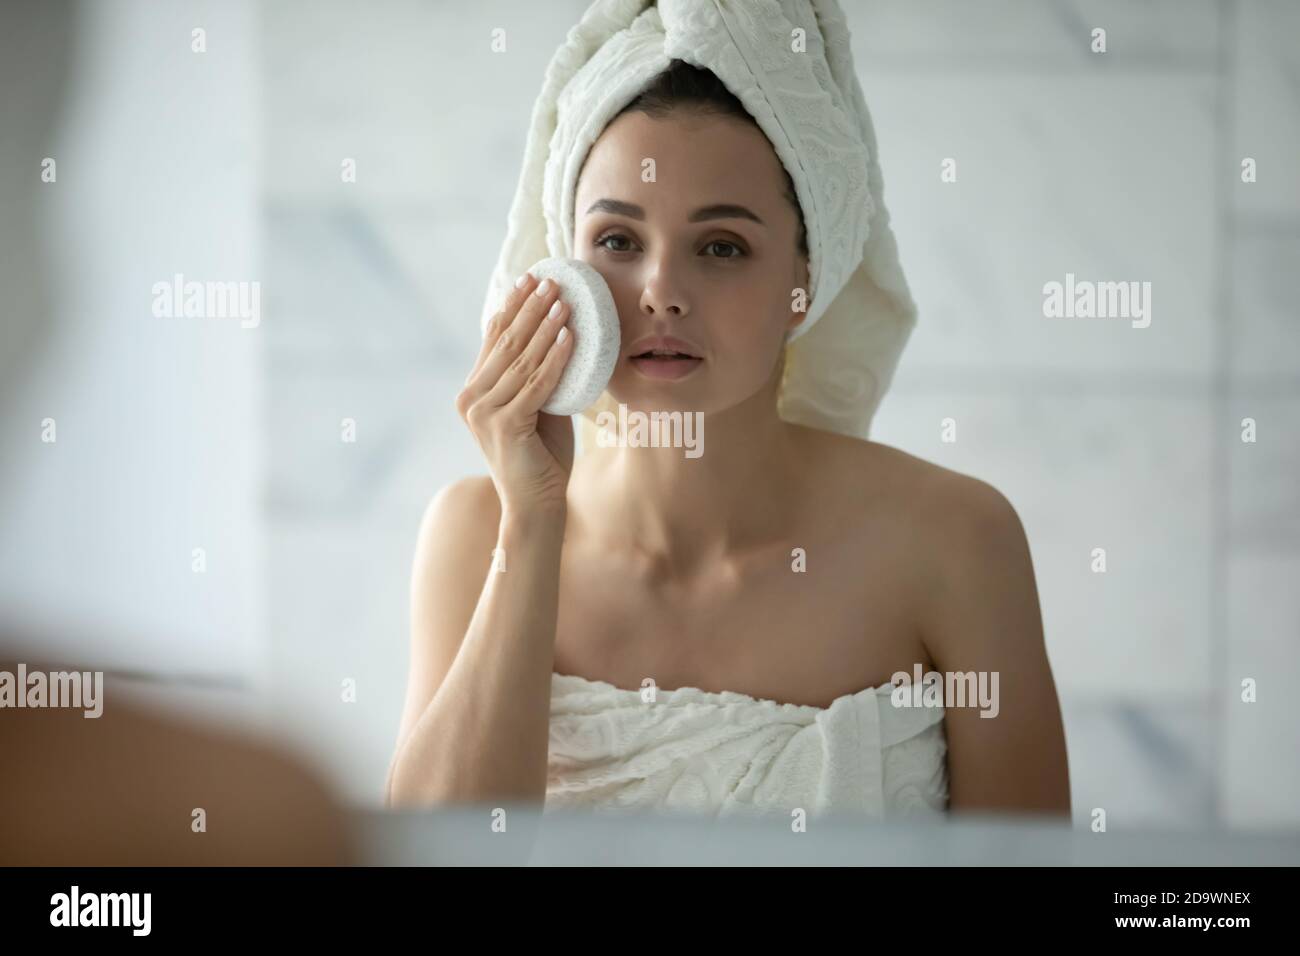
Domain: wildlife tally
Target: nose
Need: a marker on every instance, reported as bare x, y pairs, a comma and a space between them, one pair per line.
662, 296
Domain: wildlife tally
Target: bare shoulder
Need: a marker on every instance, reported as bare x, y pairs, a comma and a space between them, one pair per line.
465, 512
930, 494
453, 549
967, 552
955, 536
962, 521
957, 501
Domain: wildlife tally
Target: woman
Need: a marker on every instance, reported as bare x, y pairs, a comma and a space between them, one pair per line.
647, 630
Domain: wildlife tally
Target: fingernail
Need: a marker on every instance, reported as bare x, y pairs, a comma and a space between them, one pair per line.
564, 334
555, 310
543, 288
521, 281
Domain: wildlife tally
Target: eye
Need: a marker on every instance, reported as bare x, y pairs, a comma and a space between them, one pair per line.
737, 252
601, 242
729, 250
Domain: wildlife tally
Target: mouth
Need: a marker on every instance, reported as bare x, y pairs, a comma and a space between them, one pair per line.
665, 364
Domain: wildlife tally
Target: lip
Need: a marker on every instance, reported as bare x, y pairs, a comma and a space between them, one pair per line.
664, 342
670, 369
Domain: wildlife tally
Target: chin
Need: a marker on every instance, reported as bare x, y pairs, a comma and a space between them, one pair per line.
647, 402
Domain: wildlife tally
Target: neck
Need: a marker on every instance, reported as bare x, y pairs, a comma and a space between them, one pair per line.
684, 513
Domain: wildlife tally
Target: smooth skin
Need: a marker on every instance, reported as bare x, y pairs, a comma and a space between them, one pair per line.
640, 562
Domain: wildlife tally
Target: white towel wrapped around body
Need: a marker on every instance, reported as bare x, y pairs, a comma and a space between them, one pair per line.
727, 754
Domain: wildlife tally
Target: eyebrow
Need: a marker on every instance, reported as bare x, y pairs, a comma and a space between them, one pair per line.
704, 213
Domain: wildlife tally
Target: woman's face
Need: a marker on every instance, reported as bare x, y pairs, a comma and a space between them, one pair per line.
720, 280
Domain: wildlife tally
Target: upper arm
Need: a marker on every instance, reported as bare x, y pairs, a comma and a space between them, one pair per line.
453, 554
982, 614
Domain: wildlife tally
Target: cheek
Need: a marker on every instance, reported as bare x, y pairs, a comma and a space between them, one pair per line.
748, 329
770, 306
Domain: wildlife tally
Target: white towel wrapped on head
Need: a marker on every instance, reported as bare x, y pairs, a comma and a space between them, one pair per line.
790, 65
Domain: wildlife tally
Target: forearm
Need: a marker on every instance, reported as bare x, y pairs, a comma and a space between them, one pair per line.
484, 735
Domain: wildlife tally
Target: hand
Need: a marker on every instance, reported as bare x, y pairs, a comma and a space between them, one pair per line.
529, 453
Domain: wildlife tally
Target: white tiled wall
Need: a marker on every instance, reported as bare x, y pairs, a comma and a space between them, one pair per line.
1116, 166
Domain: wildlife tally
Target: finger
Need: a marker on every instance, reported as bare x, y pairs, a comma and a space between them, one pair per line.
531, 358
536, 389
509, 362
500, 321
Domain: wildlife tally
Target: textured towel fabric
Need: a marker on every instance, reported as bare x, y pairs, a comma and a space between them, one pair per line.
728, 754
789, 63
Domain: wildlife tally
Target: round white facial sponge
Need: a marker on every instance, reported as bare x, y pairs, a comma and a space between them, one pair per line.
593, 323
